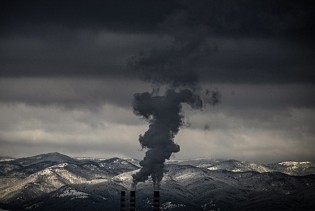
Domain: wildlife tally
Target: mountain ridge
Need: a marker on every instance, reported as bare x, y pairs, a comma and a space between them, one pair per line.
56, 181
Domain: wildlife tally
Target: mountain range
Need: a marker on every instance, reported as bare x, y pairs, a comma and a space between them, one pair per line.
55, 181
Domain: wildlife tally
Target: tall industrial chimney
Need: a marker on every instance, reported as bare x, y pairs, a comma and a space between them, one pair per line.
122, 200
156, 201
132, 200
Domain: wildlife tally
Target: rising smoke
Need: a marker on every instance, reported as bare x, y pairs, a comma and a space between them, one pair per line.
165, 118
173, 68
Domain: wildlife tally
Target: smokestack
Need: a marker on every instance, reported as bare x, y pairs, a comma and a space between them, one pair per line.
132, 200
122, 200
156, 201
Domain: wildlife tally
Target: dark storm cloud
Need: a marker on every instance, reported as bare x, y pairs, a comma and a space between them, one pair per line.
120, 15
94, 92
70, 93
243, 41
176, 64
259, 61
65, 80
65, 52
245, 18
234, 41
291, 18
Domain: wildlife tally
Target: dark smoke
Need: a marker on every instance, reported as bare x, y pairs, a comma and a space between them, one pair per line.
175, 68
164, 113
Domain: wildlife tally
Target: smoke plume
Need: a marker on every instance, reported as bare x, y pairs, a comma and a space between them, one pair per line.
164, 113
175, 68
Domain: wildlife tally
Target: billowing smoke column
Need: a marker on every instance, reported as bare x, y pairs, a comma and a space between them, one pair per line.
165, 117
176, 67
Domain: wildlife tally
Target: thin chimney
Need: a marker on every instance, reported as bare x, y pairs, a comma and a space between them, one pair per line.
156, 201
122, 200
132, 200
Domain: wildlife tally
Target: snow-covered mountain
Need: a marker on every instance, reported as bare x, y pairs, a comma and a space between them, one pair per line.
288, 167
6, 158
58, 182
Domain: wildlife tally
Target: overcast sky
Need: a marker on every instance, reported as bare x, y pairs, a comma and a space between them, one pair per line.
69, 70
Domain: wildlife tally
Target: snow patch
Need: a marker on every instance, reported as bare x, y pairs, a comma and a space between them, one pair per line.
294, 163
213, 168
169, 205
237, 170
6, 159
61, 165
74, 194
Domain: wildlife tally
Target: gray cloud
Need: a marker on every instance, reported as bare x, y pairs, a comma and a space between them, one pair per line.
77, 130
65, 52
291, 18
261, 135
65, 79
70, 92
265, 96
225, 41
94, 92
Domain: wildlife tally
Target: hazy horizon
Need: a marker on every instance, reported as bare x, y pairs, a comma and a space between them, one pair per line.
173, 158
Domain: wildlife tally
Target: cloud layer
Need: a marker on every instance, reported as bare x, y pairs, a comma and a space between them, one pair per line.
224, 41
253, 122
68, 71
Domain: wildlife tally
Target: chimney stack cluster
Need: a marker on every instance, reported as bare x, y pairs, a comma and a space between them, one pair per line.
132, 205
123, 201
156, 201
132, 200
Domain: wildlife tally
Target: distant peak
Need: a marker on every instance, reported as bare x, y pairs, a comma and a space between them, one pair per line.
290, 163
54, 153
